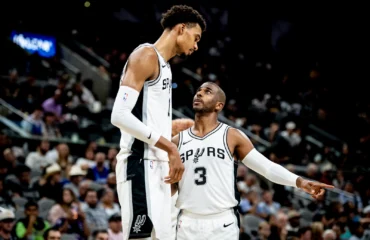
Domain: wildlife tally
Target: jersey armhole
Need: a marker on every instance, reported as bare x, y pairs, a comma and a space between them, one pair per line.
180, 141
225, 142
151, 82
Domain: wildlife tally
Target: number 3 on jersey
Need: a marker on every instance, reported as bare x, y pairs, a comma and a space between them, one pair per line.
202, 175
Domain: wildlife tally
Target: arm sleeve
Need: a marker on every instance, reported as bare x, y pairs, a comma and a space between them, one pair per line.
123, 118
270, 170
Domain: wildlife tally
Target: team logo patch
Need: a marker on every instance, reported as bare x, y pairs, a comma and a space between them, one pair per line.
140, 220
125, 95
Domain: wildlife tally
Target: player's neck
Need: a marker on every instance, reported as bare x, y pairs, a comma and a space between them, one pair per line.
166, 45
203, 124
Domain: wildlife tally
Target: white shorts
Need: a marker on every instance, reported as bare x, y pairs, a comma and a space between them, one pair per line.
145, 201
223, 226
174, 214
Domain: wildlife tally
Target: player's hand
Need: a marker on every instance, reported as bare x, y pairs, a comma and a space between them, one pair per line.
315, 189
176, 168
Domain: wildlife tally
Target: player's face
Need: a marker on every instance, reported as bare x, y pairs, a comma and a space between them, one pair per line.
205, 100
188, 39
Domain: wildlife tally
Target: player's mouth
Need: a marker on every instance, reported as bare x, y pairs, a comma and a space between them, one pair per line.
197, 101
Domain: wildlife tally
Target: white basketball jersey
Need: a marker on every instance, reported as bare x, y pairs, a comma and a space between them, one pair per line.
154, 109
208, 185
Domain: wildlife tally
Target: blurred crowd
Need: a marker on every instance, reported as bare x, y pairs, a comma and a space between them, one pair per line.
50, 189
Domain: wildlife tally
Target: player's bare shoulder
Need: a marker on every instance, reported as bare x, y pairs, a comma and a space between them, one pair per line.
234, 135
142, 65
238, 142
144, 59
145, 54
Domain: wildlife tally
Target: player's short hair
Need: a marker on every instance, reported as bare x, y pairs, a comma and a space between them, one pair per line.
221, 96
182, 14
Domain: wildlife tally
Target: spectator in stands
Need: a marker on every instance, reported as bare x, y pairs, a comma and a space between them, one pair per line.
59, 154
107, 202
99, 173
34, 123
112, 153
312, 171
356, 230
339, 182
53, 104
83, 187
64, 159
112, 181
251, 182
294, 221
96, 217
17, 151
88, 161
249, 202
329, 234
21, 186
290, 135
67, 215
317, 230
76, 175
354, 198
282, 222
51, 129
112, 165
115, 227
10, 161
264, 231
38, 160
100, 235
49, 184
31, 226
82, 99
7, 221
267, 206
52, 234
305, 233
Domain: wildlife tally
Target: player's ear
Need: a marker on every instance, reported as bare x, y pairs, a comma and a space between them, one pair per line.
181, 28
219, 106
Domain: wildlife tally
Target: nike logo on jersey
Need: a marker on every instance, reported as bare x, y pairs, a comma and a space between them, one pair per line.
164, 65
187, 142
228, 224
150, 136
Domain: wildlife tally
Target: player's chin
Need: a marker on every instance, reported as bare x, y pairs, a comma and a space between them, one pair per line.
197, 108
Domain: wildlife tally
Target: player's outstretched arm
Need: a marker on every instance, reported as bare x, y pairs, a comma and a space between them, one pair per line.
142, 66
244, 150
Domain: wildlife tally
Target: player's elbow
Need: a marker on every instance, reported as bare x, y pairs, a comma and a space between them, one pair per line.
117, 118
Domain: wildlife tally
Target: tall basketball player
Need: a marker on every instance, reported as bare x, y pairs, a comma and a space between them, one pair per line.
143, 112
208, 196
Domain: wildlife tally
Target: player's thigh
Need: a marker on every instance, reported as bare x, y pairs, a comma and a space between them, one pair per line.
230, 232
132, 195
124, 197
225, 227
188, 228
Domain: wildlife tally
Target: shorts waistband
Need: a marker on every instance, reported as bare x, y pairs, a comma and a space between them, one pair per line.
207, 216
